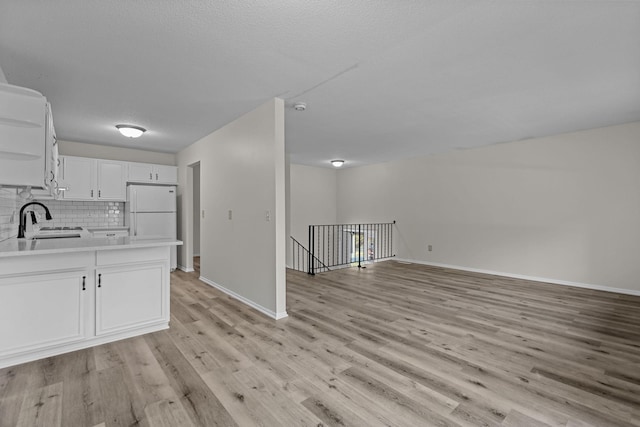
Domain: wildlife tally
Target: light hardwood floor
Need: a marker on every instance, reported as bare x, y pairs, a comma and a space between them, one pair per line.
392, 344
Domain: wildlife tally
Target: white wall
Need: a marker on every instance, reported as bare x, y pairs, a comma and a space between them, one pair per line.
564, 208
313, 199
242, 168
81, 149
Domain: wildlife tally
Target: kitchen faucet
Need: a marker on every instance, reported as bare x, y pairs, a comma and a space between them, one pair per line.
23, 221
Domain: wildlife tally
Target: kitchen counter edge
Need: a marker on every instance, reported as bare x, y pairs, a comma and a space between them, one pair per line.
21, 247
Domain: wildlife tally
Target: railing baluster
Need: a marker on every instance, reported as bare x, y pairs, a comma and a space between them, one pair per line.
335, 245
391, 254
359, 247
342, 245
387, 251
326, 229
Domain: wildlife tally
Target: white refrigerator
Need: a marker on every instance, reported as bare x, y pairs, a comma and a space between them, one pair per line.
151, 213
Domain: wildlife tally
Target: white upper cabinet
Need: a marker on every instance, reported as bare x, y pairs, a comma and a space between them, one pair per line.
166, 174
98, 179
51, 162
112, 180
147, 173
79, 178
140, 172
22, 137
92, 179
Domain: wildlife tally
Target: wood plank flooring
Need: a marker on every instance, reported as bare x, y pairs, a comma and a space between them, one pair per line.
392, 344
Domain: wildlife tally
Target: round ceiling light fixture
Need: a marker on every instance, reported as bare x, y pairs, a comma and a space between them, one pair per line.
337, 163
131, 131
299, 106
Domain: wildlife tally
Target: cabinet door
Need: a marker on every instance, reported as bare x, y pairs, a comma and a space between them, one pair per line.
112, 180
42, 310
79, 177
131, 297
165, 174
141, 172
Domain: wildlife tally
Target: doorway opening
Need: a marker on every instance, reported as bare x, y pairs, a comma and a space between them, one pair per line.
197, 214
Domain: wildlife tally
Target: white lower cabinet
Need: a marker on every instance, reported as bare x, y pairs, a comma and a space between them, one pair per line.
127, 297
42, 310
52, 304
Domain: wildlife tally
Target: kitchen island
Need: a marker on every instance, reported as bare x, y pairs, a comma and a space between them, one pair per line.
60, 295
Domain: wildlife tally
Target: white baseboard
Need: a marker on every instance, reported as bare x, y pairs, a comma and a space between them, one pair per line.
522, 276
185, 269
261, 309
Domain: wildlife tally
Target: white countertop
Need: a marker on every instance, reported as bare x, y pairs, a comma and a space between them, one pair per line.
20, 247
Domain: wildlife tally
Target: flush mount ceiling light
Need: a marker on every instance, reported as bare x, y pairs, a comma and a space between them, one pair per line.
131, 131
299, 106
337, 163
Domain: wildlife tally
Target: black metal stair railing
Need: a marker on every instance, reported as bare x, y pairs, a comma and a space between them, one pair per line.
337, 245
300, 258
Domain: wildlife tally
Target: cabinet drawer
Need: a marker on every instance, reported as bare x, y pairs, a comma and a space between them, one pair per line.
34, 263
110, 233
132, 256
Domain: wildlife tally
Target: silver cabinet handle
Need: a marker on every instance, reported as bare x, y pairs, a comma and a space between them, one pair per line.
91, 193
99, 193
150, 175
156, 177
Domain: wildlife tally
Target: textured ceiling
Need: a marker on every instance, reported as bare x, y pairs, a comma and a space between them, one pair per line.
382, 79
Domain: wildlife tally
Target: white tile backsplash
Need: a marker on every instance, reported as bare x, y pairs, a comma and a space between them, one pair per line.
8, 215
85, 214
64, 213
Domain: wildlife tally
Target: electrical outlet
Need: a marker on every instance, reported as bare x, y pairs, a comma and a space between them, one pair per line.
230, 214
430, 248
267, 216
